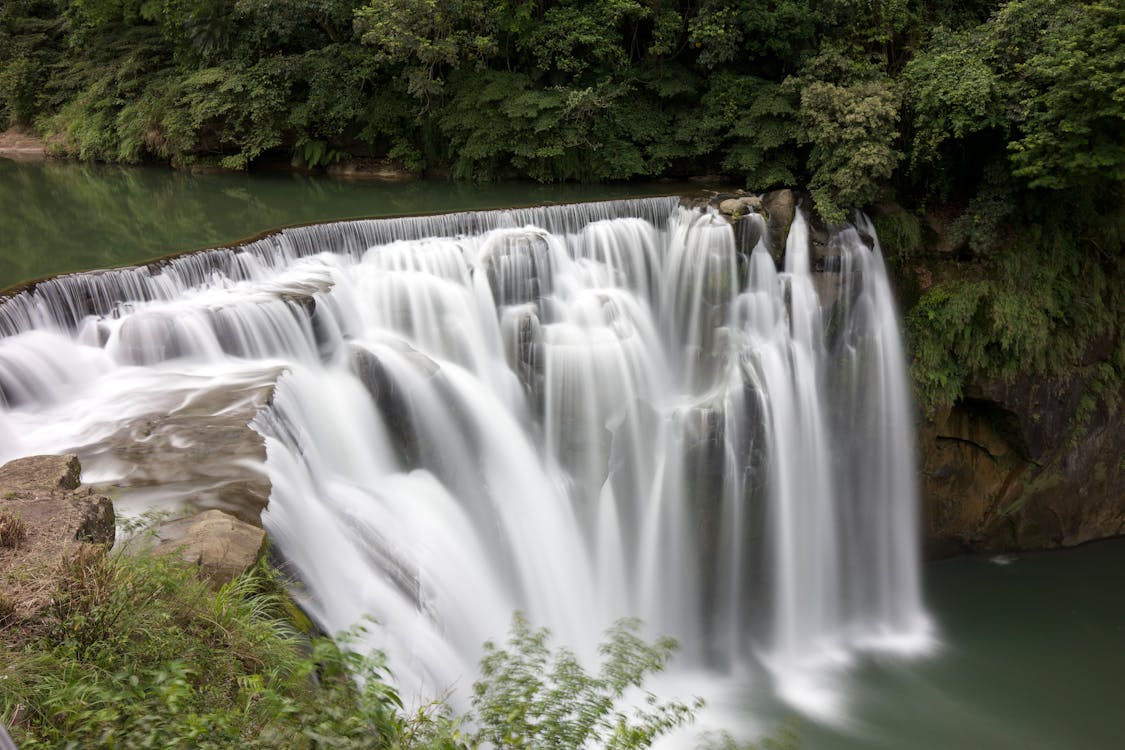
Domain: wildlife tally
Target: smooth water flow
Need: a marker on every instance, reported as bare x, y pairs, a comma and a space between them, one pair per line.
580, 412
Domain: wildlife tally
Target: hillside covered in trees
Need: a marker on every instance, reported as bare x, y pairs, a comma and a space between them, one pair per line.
998, 125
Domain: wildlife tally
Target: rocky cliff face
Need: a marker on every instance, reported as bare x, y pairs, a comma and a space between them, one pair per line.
1019, 465
1015, 467
1028, 463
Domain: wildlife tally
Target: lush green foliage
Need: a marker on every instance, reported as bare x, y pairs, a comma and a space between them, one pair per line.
1040, 81
1037, 303
900, 233
553, 89
136, 652
850, 129
1020, 119
529, 698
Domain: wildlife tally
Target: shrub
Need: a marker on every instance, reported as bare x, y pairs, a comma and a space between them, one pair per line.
900, 234
136, 652
13, 530
530, 698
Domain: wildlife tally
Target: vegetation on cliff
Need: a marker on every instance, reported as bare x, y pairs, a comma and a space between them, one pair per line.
139, 652
1000, 124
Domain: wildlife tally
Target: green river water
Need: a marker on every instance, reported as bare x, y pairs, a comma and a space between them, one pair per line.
1033, 645
57, 217
1032, 658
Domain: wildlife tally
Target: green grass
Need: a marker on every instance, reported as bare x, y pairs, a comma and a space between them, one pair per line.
137, 652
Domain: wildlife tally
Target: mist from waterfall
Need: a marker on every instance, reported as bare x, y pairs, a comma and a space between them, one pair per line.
579, 412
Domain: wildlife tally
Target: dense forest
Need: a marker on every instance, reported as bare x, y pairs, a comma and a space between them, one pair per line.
999, 126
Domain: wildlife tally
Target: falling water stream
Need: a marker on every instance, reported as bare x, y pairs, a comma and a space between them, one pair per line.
579, 412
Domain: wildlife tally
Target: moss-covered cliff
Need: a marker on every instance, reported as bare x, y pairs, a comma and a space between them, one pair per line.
1015, 329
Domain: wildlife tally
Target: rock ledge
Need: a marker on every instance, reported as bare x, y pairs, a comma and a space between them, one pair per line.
58, 516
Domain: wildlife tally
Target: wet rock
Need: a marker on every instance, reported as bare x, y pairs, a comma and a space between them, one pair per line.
518, 267
781, 208
221, 545
378, 170
704, 466
392, 400
524, 342
201, 448
740, 206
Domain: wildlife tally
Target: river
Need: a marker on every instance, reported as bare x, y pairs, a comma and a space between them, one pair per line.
1032, 658
1031, 647
58, 217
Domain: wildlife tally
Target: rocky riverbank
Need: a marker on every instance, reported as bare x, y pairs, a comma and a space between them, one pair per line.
19, 144
48, 516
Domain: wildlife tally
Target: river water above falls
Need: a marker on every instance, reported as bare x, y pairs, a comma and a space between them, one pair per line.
59, 217
579, 412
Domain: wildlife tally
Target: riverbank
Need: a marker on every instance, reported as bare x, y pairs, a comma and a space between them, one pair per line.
20, 144
136, 649
1014, 628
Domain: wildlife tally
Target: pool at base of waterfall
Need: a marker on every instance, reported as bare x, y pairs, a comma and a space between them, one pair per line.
1032, 657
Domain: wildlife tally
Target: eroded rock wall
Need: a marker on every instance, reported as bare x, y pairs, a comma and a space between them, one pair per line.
1016, 466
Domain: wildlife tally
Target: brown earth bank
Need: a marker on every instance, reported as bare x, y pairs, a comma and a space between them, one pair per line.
22, 145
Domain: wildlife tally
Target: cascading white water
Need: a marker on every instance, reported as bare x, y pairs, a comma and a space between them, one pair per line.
579, 412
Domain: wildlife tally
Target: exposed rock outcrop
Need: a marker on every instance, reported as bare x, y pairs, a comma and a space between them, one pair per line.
1015, 466
740, 206
781, 208
379, 170
221, 545
56, 516
200, 448
37, 474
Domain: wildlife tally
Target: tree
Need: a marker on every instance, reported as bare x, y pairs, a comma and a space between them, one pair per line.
1046, 79
851, 128
530, 698
1063, 65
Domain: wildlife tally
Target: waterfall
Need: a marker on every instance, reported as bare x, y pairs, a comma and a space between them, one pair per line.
580, 412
